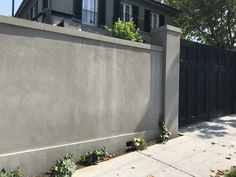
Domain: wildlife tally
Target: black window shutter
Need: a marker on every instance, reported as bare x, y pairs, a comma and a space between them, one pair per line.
45, 4
36, 9
161, 20
135, 14
147, 16
31, 14
78, 9
102, 12
116, 10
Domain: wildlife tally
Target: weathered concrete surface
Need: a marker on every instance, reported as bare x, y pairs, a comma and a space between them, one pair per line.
204, 147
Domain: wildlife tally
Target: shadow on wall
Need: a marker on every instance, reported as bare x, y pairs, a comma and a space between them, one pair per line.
155, 103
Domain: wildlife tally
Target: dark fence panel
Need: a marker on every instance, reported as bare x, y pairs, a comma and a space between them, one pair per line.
206, 82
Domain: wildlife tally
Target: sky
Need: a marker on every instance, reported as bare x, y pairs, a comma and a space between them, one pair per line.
6, 5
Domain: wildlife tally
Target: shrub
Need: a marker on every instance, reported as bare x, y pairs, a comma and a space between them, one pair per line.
165, 134
125, 30
139, 144
93, 157
13, 173
231, 172
64, 167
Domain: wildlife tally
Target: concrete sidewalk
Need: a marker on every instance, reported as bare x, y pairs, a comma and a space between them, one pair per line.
203, 147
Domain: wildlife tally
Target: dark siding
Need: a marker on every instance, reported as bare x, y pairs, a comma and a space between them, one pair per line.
102, 12
116, 11
78, 9
135, 15
147, 21
162, 20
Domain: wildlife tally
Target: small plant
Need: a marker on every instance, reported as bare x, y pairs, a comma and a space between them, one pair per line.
125, 30
93, 157
231, 172
13, 173
64, 167
139, 144
165, 134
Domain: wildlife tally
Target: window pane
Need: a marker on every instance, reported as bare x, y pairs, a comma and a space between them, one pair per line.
92, 4
127, 9
158, 21
85, 4
154, 20
89, 11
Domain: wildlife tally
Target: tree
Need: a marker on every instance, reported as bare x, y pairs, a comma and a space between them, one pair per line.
210, 22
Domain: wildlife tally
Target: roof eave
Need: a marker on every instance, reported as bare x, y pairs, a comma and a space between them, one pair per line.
166, 7
20, 8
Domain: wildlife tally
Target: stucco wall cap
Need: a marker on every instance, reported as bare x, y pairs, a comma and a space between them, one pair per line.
167, 28
76, 33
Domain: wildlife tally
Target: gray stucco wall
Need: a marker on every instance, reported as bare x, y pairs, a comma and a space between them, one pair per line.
63, 91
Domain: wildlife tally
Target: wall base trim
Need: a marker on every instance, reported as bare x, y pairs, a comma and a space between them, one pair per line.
39, 161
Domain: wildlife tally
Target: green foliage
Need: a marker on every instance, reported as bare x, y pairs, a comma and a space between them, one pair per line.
93, 157
64, 167
13, 173
125, 30
210, 22
165, 134
139, 144
231, 172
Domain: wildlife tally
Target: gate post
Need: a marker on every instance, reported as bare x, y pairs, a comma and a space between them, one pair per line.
234, 84
169, 38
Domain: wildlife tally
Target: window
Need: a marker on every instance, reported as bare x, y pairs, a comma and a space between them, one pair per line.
154, 20
89, 14
126, 12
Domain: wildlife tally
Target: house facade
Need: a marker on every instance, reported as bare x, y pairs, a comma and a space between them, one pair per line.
93, 15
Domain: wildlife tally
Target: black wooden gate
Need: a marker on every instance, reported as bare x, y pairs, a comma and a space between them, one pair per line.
207, 82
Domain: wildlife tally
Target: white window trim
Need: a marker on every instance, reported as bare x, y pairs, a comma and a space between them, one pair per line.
157, 20
124, 10
95, 11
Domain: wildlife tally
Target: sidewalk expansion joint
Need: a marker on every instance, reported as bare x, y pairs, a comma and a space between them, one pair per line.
169, 165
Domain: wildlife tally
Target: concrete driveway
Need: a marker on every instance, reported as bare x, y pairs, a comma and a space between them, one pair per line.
201, 151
